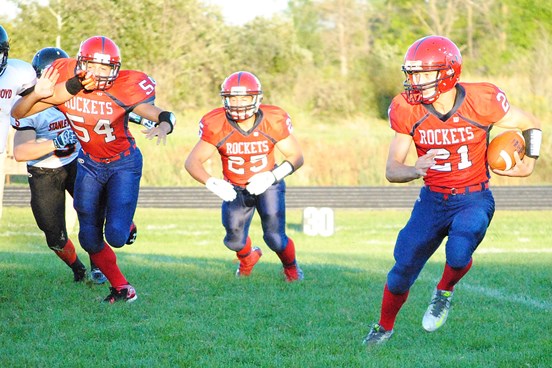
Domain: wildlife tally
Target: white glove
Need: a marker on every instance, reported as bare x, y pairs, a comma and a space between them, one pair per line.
222, 188
260, 182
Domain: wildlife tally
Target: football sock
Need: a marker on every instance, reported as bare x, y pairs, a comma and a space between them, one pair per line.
287, 256
67, 253
451, 276
390, 306
244, 252
106, 260
92, 265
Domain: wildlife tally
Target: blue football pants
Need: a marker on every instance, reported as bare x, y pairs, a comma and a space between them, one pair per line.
238, 214
463, 219
106, 194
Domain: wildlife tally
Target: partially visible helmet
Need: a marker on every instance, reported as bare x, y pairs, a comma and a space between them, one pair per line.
431, 53
4, 49
241, 84
45, 57
102, 50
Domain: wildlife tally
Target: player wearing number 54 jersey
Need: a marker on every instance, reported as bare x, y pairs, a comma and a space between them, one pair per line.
245, 134
449, 123
46, 142
97, 98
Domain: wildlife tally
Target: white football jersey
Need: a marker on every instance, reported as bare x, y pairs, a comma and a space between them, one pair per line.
48, 124
18, 76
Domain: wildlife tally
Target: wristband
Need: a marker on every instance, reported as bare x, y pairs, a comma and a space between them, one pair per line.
167, 117
533, 139
285, 169
73, 85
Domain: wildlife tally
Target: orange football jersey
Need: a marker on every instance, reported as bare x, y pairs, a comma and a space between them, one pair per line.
243, 153
98, 118
460, 137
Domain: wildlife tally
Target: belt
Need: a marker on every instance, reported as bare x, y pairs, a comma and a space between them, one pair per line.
107, 160
464, 190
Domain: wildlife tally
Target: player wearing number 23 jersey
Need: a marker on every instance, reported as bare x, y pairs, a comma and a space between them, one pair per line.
246, 153
449, 123
246, 133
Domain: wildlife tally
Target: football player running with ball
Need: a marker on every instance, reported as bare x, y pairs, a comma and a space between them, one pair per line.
449, 123
97, 98
245, 133
46, 141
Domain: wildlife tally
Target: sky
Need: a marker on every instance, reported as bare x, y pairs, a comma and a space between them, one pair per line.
234, 11
242, 11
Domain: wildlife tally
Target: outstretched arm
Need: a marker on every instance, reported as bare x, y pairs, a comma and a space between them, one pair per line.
164, 121
47, 93
37, 100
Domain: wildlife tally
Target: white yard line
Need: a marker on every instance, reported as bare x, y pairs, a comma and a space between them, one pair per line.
501, 295
506, 297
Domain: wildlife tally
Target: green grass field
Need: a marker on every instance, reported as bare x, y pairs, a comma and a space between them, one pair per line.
192, 312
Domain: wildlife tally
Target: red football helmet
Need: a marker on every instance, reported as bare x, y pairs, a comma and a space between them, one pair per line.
431, 53
101, 50
241, 84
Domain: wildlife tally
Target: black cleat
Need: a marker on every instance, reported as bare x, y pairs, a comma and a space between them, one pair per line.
125, 294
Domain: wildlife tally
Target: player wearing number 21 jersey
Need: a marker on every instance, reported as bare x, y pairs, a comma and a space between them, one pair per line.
459, 138
449, 123
97, 98
246, 134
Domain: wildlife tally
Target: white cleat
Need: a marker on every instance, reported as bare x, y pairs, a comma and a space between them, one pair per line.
437, 311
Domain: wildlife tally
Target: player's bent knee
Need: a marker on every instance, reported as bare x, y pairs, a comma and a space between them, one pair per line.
56, 247
92, 248
116, 238
234, 239
236, 246
234, 243
400, 279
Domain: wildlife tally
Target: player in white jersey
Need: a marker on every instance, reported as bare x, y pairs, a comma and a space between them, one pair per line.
45, 140
16, 79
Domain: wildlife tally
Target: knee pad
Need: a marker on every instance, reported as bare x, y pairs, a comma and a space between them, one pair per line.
116, 239
56, 247
91, 239
233, 242
56, 242
401, 278
459, 262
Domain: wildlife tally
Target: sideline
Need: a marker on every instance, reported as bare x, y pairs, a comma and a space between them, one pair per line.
381, 197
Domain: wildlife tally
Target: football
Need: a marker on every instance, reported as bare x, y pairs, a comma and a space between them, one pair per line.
500, 153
